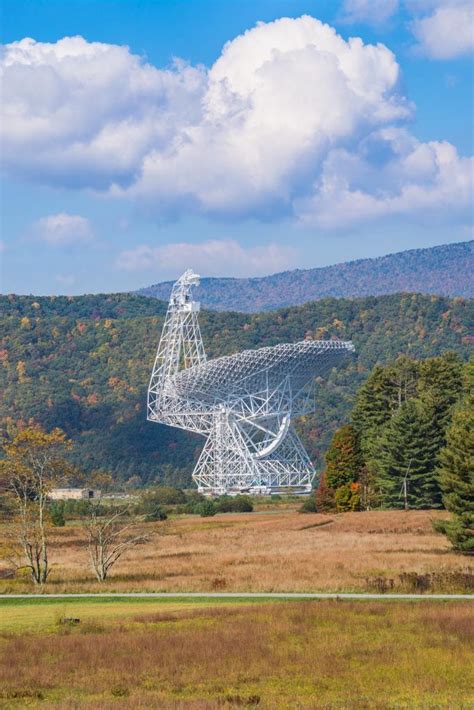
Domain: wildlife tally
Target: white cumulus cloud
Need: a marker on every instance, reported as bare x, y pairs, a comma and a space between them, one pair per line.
278, 98
290, 120
426, 180
448, 32
80, 113
63, 229
212, 258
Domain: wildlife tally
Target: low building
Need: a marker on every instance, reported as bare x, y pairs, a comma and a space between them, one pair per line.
73, 494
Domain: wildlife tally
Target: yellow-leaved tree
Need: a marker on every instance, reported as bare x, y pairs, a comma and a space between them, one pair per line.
32, 466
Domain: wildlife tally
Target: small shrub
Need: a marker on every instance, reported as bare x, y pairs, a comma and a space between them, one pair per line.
224, 504
151, 505
242, 504
440, 526
151, 508
380, 585
56, 514
22, 693
120, 692
194, 497
239, 504
325, 496
82, 508
166, 495
309, 506
69, 621
347, 497
415, 582
218, 583
193, 500
155, 515
207, 509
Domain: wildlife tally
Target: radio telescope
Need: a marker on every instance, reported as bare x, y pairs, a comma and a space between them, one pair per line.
242, 403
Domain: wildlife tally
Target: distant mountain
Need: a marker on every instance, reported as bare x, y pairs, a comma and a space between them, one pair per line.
445, 270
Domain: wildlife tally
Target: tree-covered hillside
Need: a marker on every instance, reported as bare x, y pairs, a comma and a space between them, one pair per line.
444, 270
83, 364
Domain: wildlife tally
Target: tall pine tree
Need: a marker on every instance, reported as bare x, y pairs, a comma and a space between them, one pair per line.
380, 397
407, 453
456, 476
440, 386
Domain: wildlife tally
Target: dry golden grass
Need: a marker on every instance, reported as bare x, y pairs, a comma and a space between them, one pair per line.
288, 655
271, 552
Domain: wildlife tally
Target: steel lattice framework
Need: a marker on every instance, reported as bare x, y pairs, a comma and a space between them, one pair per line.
242, 403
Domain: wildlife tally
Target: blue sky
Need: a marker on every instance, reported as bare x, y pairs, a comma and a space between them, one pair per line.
291, 146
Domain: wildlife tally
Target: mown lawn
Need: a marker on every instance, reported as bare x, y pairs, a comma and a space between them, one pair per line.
154, 654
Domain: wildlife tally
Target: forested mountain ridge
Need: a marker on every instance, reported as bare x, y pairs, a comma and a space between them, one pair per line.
83, 364
443, 270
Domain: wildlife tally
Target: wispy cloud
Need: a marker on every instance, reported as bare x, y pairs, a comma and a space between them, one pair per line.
211, 258
372, 12
66, 280
63, 229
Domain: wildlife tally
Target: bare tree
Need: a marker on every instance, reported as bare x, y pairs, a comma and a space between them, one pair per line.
32, 466
109, 537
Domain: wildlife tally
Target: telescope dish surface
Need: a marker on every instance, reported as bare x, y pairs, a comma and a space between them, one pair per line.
231, 375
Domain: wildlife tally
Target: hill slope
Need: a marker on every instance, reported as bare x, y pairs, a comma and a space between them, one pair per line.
444, 270
83, 363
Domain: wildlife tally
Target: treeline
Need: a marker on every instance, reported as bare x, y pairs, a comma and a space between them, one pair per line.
83, 364
410, 444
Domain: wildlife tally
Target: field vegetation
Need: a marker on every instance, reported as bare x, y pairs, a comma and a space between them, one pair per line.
285, 655
273, 549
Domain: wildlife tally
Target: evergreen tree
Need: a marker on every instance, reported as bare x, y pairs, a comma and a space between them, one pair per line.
380, 397
56, 513
368, 492
402, 379
440, 384
456, 476
371, 409
407, 455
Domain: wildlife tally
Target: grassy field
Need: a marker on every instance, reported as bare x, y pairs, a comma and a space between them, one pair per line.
150, 654
272, 550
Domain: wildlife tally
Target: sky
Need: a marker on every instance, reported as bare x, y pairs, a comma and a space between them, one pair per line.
143, 137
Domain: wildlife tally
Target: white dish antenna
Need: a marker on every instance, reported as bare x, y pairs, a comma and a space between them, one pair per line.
242, 403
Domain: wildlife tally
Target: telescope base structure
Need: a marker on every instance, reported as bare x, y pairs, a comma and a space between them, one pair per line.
226, 467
